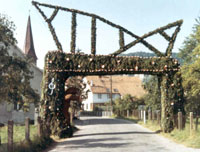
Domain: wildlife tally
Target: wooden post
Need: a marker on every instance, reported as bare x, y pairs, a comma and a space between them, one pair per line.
196, 123
153, 116
150, 115
180, 122
137, 113
191, 121
71, 117
27, 129
39, 126
158, 117
10, 136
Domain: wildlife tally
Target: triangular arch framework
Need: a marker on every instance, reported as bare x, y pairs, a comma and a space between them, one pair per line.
59, 66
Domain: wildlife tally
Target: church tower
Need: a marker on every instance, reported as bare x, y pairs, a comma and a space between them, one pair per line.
29, 49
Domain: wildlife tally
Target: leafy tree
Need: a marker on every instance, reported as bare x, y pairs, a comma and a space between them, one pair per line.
14, 72
191, 69
152, 98
128, 102
190, 44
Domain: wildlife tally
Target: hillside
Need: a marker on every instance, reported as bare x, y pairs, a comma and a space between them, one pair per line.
147, 54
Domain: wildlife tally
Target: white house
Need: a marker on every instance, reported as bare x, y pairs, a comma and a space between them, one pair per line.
100, 89
9, 111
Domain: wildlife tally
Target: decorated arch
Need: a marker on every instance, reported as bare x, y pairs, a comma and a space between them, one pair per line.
59, 66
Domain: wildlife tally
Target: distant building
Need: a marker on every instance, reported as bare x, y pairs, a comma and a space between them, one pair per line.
100, 89
10, 111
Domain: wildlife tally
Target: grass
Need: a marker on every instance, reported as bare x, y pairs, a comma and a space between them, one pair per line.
20, 145
179, 136
185, 137
19, 133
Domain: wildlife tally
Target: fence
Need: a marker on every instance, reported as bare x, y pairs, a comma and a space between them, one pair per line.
155, 117
10, 134
96, 113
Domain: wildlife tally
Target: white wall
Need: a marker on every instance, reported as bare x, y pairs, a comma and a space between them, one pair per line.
93, 98
7, 112
87, 102
104, 98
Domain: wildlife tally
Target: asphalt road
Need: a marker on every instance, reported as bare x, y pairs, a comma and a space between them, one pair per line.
98, 134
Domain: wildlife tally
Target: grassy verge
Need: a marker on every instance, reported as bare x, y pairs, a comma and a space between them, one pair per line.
20, 145
183, 137
19, 133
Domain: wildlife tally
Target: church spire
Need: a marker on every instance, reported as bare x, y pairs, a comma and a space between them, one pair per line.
29, 45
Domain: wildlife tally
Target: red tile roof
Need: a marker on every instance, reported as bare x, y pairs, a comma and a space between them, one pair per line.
120, 84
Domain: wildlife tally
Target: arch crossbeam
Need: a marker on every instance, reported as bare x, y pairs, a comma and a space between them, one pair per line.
77, 64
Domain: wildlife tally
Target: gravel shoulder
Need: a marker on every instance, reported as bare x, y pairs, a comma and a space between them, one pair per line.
99, 134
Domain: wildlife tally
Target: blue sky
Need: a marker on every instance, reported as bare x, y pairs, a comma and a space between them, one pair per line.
138, 16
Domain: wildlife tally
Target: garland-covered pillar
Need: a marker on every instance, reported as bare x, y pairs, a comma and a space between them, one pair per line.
172, 101
177, 96
52, 101
167, 123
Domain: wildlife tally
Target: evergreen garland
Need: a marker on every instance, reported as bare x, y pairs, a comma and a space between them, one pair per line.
93, 31
172, 40
121, 38
60, 66
100, 64
52, 30
73, 33
93, 36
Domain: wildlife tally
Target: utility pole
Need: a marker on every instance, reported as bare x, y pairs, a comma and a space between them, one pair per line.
111, 108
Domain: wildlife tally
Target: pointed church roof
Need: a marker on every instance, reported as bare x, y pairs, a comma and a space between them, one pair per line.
29, 45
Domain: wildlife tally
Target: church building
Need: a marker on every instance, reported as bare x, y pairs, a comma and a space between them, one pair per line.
9, 111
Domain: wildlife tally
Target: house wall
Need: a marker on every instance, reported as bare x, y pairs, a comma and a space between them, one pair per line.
87, 102
104, 97
94, 99
7, 112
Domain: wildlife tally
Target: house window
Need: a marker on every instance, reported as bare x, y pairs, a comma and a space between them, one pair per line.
115, 90
86, 106
109, 96
113, 95
99, 96
107, 89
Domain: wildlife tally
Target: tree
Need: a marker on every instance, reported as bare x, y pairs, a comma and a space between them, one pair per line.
14, 71
128, 102
152, 98
191, 69
189, 44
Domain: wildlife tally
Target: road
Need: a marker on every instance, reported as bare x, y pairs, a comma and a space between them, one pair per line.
98, 134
